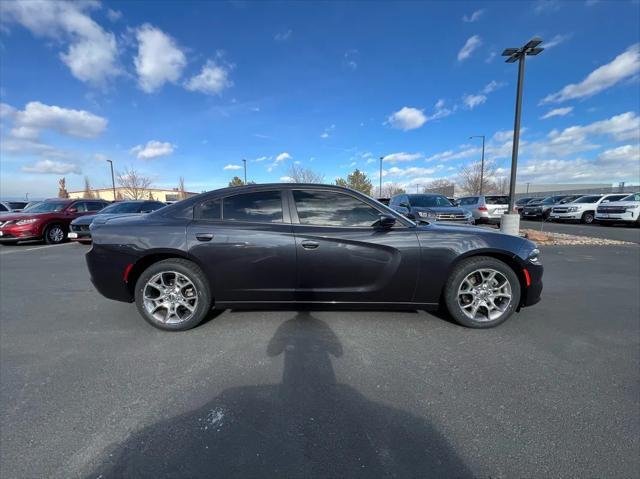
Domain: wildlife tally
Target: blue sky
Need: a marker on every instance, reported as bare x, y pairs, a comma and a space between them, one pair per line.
191, 88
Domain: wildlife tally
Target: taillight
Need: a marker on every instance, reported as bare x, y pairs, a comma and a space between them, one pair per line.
482, 208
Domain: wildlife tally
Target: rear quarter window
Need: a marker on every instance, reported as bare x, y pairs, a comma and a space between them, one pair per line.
496, 200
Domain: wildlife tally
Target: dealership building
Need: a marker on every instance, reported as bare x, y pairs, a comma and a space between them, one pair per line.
158, 194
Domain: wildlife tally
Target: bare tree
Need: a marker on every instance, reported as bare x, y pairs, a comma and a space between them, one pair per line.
62, 188
502, 185
441, 186
133, 184
181, 192
469, 178
87, 193
388, 190
304, 175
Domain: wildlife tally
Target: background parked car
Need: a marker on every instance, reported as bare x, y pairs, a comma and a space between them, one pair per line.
429, 207
522, 202
582, 209
485, 208
542, 208
79, 229
626, 210
9, 206
49, 220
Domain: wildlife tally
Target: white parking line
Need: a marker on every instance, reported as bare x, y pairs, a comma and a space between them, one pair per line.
21, 250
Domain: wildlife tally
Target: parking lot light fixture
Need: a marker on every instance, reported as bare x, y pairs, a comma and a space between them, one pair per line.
380, 190
113, 181
511, 223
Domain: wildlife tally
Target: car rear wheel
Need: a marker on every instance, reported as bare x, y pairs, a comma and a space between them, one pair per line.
482, 292
54, 234
173, 295
587, 217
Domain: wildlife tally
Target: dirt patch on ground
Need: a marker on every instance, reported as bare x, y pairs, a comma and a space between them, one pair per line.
548, 238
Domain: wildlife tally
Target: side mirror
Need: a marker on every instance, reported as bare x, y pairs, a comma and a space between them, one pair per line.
385, 222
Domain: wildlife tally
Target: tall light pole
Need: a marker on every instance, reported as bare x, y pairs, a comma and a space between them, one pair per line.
511, 223
245, 171
113, 180
380, 190
481, 161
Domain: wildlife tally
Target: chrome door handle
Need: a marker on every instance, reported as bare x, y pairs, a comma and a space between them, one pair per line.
310, 244
204, 236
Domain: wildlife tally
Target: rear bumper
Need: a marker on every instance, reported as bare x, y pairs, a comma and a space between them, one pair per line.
106, 268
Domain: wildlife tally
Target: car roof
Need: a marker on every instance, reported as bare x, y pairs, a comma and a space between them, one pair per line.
423, 194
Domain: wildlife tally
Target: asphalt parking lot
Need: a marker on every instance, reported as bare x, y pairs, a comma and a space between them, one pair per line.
90, 390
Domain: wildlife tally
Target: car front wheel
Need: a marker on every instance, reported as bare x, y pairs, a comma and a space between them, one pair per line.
173, 295
482, 292
587, 218
54, 234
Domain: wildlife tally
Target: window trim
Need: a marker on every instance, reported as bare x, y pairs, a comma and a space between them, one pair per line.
295, 220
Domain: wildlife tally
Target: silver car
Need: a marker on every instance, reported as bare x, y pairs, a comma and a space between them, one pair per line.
485, 208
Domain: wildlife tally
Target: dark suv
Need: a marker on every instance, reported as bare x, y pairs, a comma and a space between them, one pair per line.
429, 207
49, 220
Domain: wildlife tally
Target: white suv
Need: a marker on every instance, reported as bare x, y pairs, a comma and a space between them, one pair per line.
582, 209
627, 210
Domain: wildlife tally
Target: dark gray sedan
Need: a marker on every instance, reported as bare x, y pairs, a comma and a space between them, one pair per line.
79, 228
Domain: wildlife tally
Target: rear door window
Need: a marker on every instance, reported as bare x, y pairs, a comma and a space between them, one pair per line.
258, 207
472, 200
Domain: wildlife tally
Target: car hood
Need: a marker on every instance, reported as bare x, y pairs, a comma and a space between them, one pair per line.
19, 216
440, 209
621, 203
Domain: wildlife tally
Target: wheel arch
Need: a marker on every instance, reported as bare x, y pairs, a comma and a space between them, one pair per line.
506, 257
153, 257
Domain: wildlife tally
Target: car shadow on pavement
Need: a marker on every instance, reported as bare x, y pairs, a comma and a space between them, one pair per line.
307, 426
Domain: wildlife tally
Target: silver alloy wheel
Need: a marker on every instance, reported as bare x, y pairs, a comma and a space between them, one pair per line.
56, 234
170, 297
484, 294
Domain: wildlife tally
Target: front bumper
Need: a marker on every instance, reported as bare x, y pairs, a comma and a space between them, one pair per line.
628, 216
532, 294
14, 233
565, 216
79, 236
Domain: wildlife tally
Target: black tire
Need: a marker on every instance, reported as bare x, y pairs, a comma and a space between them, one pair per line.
197, 278
55, 234
587, 217
457, 276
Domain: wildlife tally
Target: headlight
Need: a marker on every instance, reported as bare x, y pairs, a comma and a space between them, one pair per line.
26, 221
631, 208
572, 209
534, 256
427, 214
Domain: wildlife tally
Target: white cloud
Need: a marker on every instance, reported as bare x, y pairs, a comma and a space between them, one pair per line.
557, 112
159, 59
625, 65
395, 172
232, 167
286, 179
52, 167
36, 116
262, 158
546, 6
492, 86
153, 149
470, 45
490, 57
472, 101
327, 132
211, 80
92, 52
401, 156
114, 15
407, 118
626, 153
283, 36
556, 40
282, 157
6, 111
474, 17
349, 59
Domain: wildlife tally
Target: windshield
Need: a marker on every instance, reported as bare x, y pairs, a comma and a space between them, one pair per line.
587, 199
48, 207
632, 197
429, 201
496, 200
16, 205
122, 208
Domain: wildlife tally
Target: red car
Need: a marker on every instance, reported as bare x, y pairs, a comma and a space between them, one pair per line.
49, 220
